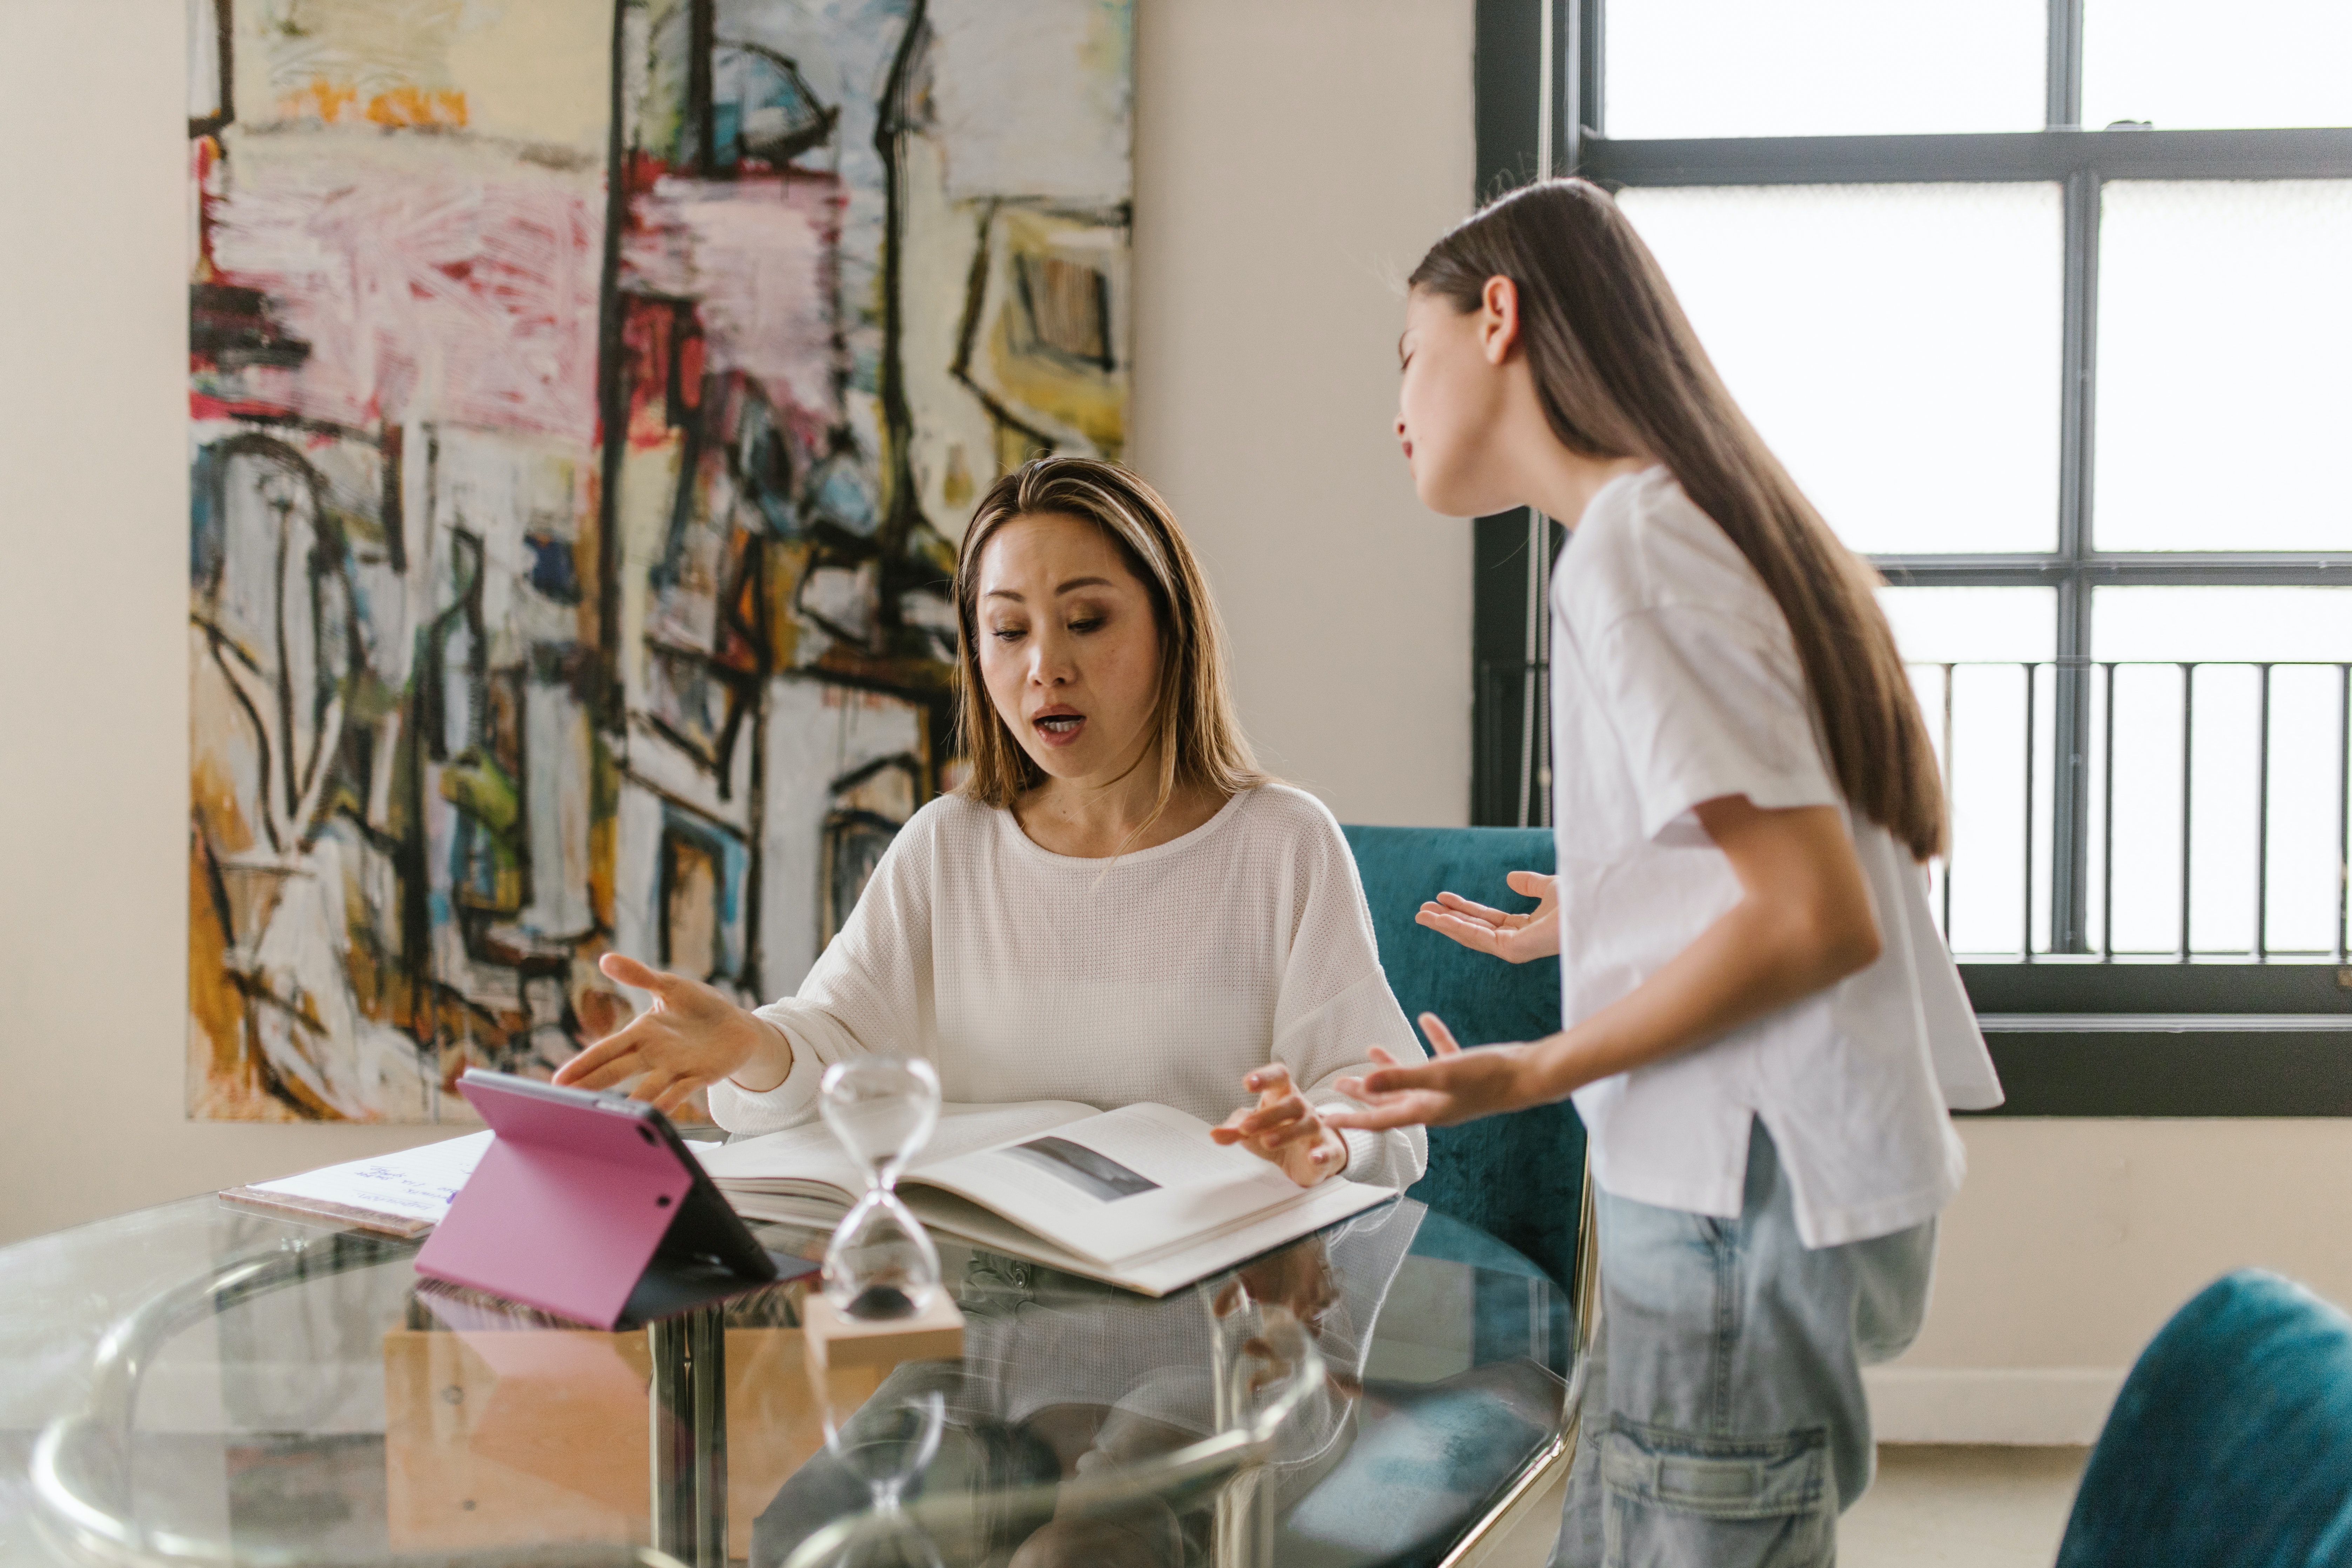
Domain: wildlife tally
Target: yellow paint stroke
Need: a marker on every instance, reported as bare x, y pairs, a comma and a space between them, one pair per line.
415, 106
338, 103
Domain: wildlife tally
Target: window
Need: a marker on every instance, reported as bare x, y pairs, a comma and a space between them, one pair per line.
2073, 381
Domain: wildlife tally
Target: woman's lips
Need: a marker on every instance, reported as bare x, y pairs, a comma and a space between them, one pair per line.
1058, 726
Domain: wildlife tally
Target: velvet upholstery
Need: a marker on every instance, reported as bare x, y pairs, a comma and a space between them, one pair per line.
2231, 1442
1519, 1177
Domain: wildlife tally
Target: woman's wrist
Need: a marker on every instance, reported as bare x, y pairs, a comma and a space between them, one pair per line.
771, 1060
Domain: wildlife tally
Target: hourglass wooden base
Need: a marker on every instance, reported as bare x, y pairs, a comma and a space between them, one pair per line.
835, 1338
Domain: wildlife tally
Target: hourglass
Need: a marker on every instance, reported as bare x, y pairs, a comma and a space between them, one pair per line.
881, 1266
882, 1304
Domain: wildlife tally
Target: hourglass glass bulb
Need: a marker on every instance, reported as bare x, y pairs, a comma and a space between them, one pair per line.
881, 1263
883, 1109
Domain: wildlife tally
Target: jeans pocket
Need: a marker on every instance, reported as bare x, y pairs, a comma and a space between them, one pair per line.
1672, 1499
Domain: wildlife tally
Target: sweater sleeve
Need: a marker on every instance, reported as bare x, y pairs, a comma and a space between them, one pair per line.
870, 990
1336, 1003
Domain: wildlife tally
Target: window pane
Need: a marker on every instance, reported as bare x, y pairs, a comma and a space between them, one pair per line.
2275, 806
1945, 625
1976, 713
1821, 67
2180, 65
2173, 624
2224, 328
1898, 345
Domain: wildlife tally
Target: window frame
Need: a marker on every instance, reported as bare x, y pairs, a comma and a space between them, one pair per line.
2072, 1036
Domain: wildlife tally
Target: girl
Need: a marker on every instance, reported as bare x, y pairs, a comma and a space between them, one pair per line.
1116, 907
1764, 1031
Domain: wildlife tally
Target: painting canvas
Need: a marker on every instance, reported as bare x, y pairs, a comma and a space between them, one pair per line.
585, 402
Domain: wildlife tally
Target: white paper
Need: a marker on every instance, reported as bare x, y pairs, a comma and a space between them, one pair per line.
416, 1183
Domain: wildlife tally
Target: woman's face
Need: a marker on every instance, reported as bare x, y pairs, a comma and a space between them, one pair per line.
1450, 403
1068, 646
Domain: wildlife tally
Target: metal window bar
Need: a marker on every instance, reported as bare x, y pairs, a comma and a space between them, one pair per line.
2188, 782
2043, 798
2025, 932
2343, 802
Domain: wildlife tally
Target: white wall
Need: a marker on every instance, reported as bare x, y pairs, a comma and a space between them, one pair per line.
1291, 159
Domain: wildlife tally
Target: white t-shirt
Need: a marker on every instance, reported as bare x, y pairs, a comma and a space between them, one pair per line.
1167, 974
1675, 682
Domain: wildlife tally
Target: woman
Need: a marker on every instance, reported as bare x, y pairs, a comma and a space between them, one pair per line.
1116, 907
1763, 1029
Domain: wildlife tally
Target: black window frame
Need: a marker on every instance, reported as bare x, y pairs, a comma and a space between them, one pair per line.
2076, 1032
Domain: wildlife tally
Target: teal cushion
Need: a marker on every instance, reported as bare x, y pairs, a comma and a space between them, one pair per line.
1519, 1177
2231, 1440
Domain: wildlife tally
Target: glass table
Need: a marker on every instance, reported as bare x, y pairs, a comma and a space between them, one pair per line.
201, 1384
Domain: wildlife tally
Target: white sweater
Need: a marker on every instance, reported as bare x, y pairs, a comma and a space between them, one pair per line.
1167, 974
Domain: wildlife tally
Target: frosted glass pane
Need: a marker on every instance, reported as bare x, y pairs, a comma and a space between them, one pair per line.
1898, 345
1821, 67
1945, 625
2183, 64
2224, 328
2221, 624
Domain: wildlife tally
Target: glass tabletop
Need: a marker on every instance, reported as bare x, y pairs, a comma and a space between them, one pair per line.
198, 1384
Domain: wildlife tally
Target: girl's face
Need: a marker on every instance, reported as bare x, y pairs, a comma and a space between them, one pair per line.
1069, 649
1451, 400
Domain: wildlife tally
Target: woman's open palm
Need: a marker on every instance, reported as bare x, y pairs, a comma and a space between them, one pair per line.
693, 1036
1515, 939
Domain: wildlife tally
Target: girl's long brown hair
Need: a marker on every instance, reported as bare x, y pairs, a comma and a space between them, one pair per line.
1618, 371
1201, 742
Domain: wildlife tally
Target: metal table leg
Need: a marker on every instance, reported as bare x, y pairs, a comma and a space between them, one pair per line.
689, 1437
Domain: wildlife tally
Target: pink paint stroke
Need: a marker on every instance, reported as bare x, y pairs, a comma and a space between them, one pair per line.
759, 256
432, 295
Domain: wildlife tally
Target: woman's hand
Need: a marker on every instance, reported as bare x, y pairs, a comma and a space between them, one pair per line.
1515, 939
1283, 1128
1453, 1086
692, 1037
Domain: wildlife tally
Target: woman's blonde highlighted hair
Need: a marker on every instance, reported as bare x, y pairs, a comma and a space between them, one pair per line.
1200, 743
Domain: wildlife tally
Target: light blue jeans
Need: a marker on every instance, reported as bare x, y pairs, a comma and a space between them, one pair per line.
1724, 1422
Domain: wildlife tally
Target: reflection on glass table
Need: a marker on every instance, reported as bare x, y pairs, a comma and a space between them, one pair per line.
199, 1384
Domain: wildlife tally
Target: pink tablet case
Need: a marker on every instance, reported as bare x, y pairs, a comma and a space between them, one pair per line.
563, 1213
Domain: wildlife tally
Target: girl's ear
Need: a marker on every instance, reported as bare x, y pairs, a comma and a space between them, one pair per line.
1498, 319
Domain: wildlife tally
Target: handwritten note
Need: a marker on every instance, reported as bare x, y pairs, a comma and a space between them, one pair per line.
416, 1183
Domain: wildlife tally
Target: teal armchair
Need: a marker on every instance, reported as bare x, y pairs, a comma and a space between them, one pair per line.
1520, 1178
2231, 1444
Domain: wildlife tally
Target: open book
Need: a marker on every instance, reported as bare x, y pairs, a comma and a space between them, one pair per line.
1137, 1197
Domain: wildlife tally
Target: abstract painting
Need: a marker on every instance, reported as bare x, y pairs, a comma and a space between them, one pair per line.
585, 403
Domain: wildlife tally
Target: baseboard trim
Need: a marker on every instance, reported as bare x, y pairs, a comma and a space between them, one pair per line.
2022, 1405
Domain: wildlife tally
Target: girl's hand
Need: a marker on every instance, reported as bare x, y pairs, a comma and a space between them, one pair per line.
1456, 1086
692, 1037
1284, 1129
1515, 939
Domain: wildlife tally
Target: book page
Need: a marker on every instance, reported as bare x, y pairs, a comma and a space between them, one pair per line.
1121, 1184
809, 1157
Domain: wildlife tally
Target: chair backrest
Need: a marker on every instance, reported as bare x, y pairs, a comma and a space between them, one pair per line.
1519, 1177
2231, 1442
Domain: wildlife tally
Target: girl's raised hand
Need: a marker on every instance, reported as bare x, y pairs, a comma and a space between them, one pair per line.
1284, 1129
1515, 939
1453, 1086
691, 1036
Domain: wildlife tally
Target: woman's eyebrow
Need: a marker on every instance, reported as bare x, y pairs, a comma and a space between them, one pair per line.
1073, 583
